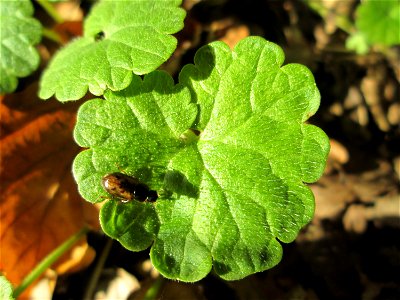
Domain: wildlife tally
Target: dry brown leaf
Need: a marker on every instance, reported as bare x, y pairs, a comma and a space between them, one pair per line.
372, 87
39, 204
355, 219
385, 210
69, 10
396, 167
338, 152
335, 192
331, 197
69, 30
228, 30
234, 34
394, 114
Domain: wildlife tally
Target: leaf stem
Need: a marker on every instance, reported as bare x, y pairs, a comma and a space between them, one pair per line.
97, 270
153, 291
341, 21
51, 35
48, 261
49, 8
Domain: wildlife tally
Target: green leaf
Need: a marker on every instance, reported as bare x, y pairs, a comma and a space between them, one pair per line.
379, 21
358, 43
19, 33
226, 196
6, 289
119, 37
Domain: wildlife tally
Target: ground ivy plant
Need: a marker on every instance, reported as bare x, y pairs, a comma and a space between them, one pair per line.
121, 38
377, 23
226, 148
19, 33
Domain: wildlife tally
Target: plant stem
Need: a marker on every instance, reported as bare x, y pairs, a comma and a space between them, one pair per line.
49, 8
51, 35
153, 291
97, 271
48, 261
341, 21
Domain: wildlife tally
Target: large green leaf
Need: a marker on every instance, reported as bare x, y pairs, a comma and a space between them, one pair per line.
379, 21
229, 194
120, 37
18, 35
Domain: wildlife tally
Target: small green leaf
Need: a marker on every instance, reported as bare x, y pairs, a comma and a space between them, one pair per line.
227, 195
358, 43
379, 21
19, 33
119, 37
6, 289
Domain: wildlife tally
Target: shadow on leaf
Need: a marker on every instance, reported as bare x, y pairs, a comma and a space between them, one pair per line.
176, 182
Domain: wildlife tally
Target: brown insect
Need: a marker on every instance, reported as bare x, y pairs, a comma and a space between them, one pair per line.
127, 188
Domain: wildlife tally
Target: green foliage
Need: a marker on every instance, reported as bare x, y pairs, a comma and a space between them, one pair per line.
358, 43
19, 33
378, 22
227, 195
120, 37
6, 289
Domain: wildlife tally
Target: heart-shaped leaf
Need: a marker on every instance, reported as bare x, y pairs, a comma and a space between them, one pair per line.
379, 21
19, 33
119, 37
227, 150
